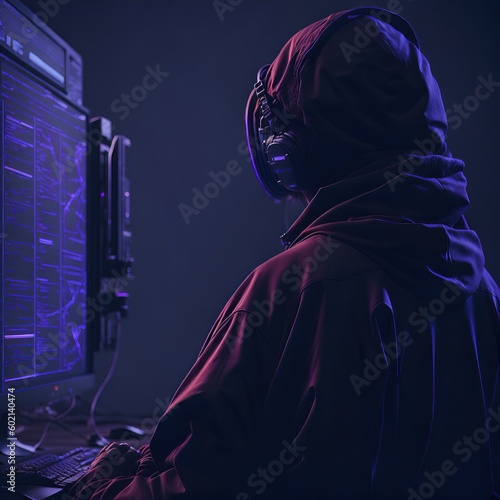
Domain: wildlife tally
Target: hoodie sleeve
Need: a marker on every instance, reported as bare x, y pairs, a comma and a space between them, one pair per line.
207, 437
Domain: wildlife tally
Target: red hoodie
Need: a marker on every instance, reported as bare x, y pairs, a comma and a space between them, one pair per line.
362, 362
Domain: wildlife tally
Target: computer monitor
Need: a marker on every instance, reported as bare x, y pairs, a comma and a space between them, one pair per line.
45, 332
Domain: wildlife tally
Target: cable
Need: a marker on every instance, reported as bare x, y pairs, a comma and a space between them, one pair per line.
71, 431
54, 420
106, 380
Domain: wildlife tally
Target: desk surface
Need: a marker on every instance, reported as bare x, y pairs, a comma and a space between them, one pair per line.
74, 431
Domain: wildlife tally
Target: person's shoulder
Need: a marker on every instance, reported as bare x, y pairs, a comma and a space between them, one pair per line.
318, 265
316, 257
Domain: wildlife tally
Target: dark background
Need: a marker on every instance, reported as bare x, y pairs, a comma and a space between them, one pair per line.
192, 124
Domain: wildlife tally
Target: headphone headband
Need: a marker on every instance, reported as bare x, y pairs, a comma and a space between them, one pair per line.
262, 95
279, 158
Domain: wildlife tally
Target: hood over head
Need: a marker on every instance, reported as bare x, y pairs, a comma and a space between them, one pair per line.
360, 87
393, 190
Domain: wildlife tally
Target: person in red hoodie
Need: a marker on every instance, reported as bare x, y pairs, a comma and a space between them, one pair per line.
363, 361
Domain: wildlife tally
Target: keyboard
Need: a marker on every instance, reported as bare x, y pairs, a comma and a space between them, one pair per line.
59, 470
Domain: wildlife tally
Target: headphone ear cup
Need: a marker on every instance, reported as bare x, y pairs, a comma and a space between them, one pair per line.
288, 155
257, 146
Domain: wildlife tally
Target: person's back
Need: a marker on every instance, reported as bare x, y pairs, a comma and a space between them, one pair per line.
370, 347
411, 419
363, 362
387, 395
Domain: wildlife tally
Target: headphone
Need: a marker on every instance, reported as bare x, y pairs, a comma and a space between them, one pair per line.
280, 145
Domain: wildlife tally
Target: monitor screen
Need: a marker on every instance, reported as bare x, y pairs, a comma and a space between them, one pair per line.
43, 226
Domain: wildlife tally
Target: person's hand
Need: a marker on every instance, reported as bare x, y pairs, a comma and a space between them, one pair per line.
116, 460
